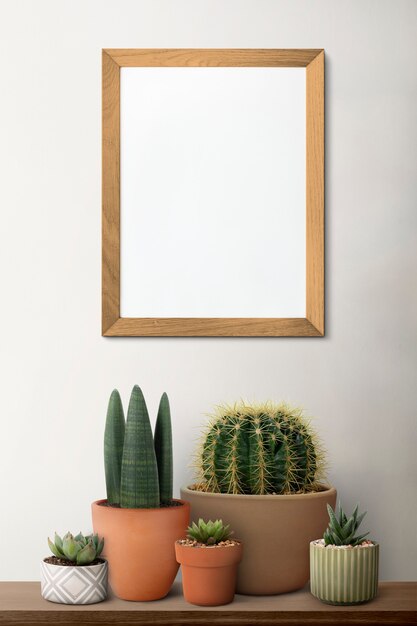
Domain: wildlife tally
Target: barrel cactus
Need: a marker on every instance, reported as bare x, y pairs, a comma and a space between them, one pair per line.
260, 449
132, 458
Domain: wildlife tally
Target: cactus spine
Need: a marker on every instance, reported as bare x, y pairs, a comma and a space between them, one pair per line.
260, 450
139, 487
113, 447
163, 450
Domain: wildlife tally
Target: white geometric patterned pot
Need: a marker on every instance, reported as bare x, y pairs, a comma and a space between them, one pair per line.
78, 584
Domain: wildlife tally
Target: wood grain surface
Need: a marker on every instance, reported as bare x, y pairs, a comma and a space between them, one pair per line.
110, 193
21, 604
315, 192
212, 327
212, 57
313, 324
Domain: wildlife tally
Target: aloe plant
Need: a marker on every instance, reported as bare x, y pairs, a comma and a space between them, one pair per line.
260, 449
342, 530
138, 466
79, 550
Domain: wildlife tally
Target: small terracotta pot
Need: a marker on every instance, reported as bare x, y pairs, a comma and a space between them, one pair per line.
209, 574
139, 546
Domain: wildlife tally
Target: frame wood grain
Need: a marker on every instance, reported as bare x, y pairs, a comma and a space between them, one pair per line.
310, 326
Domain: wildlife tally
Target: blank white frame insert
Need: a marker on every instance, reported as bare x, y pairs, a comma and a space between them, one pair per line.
213, 192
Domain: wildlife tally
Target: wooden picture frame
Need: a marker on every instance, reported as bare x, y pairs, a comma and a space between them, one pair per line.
313, 323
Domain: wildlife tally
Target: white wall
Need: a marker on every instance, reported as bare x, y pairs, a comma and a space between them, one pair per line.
56, 370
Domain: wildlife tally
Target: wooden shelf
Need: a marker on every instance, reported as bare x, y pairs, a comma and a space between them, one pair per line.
22, 605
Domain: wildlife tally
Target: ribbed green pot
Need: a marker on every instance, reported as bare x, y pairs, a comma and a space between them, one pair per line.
344, 576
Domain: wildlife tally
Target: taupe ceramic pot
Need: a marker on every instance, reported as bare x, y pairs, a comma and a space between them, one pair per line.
276, 532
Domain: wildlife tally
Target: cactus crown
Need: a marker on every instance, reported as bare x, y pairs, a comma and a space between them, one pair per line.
260, 449
341, 530
79, 550
138, 469
209, 533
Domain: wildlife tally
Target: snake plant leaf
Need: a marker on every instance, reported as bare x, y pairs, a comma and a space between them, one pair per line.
139, 486
114, 435
163, 450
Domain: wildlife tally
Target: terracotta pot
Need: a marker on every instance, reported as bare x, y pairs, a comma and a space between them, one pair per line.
74, 584
139, 546
209, 574
344, 575
276, 532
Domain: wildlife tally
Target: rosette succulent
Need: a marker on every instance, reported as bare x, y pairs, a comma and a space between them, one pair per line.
79, 550
209, 533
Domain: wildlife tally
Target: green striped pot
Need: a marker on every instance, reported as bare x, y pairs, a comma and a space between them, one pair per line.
344, 576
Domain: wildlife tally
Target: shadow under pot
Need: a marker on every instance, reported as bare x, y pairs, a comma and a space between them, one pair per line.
139, 546
208, 572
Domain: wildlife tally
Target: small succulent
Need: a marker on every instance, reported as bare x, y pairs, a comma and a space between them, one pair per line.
80, 550
210, 533
341, 530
